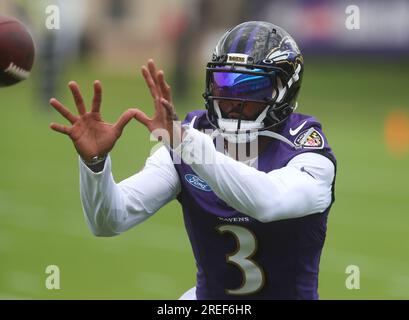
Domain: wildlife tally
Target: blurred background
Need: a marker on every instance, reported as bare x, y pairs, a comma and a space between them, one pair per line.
355, 82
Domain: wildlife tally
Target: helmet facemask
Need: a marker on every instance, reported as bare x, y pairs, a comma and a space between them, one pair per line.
242, 86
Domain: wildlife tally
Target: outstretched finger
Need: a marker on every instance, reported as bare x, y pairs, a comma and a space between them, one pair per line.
150, 82
125, 118
162, 90
96, 101
152, 70
60, 128
143, 118
63, 110
79, 102
164, 87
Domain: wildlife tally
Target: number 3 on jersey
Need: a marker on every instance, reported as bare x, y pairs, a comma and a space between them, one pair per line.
253, 275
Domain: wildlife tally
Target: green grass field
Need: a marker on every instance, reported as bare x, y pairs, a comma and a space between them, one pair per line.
41, 220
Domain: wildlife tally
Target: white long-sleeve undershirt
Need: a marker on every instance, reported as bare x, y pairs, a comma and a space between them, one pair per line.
112, 208
301, 188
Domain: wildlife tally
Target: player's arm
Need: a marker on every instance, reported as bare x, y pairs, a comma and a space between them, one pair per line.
301, 188
108, 206
112, 208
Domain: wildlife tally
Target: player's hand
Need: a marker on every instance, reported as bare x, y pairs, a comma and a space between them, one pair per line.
90, 134
162, 124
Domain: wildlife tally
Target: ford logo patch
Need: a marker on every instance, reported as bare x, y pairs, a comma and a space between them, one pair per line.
197, 182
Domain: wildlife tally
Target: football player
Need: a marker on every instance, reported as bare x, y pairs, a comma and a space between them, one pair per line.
257, 223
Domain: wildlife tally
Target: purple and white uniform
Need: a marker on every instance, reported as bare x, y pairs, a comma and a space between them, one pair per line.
256, 233
285, 254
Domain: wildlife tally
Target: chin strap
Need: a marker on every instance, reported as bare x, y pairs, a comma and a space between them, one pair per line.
277, 136
265, 133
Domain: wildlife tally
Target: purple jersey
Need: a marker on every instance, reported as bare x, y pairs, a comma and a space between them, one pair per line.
240, 257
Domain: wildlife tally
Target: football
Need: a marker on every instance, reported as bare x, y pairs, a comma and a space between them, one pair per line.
16, 51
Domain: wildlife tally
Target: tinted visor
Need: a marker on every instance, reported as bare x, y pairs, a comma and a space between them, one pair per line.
238, 85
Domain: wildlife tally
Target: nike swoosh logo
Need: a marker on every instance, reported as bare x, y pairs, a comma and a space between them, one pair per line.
295, 131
